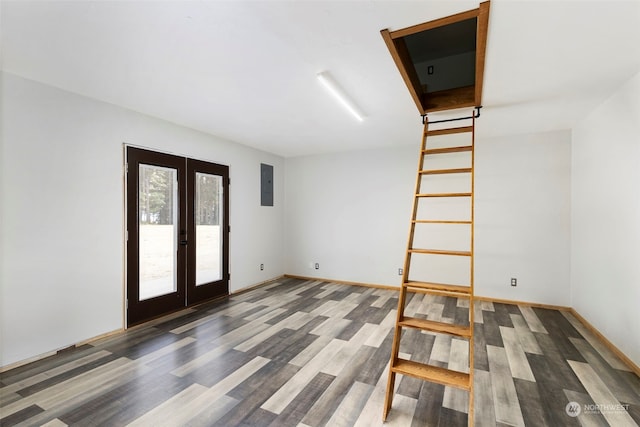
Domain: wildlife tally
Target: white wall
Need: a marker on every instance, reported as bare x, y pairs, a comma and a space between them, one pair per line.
350, 212
523, 185
62, 213
605, 272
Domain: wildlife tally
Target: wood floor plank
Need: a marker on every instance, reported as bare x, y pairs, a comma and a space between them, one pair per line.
286, 346
615, 382
486, 306
225, 364
551, 392
556, 361
191, 403
532, 320
502, 315
413, 305
441, 348
484, 412
333, 308
44, 365
383, 297
378, 335
125, 403
311, 351
52, 373
346, 414
15, 417
314, 353
530, 403
332, 327
428, 407
54, 423
296, 410
175, 411
524, 334
213, 412
585, 419
327, 404
477, 312
54, 376
371, 414
419, 347
296, 384
505, 400
73, 387
230, 339
352, 328
372, 369
7, 398
449, 308
491, 330
403, 412
518, 362
600, 347
480, 358
455, 398
601, 395
390, 319
365, 312
254, 391
348, 350
295, 321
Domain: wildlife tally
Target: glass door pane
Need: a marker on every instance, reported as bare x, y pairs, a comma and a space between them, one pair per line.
208, 212
158, 230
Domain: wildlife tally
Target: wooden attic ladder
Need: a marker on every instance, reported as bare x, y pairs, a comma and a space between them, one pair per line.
424, 181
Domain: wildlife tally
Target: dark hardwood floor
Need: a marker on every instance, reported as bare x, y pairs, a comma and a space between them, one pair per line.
310, 353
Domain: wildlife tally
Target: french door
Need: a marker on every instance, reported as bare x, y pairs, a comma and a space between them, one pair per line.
177, 233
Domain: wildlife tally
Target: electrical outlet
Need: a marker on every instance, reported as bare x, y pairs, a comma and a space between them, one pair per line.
261, 267
514, 281
317, 266
400, 271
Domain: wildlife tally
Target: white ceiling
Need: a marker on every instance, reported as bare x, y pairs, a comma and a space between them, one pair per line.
245, 71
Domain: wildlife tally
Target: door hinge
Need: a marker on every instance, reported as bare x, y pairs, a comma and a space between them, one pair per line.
126, 168
126, 304
229, 229
127, 235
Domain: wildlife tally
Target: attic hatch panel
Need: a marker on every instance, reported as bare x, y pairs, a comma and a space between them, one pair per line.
444, 57
442, 61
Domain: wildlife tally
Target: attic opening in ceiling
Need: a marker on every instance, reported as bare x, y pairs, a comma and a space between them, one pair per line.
442, 61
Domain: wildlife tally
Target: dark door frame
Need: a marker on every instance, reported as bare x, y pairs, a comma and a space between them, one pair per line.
197, 294
187, 293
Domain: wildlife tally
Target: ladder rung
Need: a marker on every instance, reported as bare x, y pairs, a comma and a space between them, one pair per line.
450, 131
430, 325
447, 150
443, 195
440, 252
438, 221
454, 290
432, 373
443, 171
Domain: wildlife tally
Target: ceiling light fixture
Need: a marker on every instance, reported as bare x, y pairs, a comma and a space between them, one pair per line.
332, 86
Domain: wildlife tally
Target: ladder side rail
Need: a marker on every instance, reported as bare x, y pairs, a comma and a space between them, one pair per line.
397, 333
414, 211
470, 415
